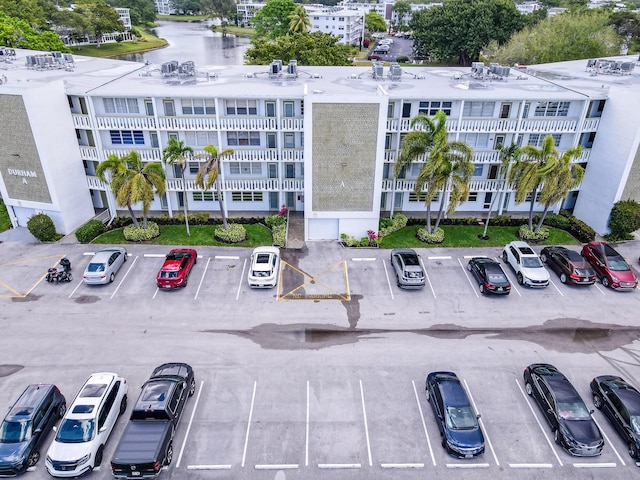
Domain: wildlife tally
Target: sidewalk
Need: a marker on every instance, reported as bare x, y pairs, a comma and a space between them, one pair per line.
19, 234
295, 234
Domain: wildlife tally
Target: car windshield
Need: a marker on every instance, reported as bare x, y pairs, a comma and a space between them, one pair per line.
496, 278
261, 273
617, 264
460, 418
76, 431
531, 262
164, 274
95, 267
635, 424
573, 410
15, 432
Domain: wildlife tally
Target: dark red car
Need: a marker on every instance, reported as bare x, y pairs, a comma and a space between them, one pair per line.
609, 265
176, 268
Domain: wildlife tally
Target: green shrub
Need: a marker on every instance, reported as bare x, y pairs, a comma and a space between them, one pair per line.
398, 221
275, 220
624, 219
194, 218
279, 234
530, 236
133, 234
402, 59
431, 238
235, 234
557, 221
90, 230
579, 229
42, 227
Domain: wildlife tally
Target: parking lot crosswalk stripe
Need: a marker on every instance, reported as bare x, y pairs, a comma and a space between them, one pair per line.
595, 465
282, 466
208, 467
402, 465
530, 465
339, 465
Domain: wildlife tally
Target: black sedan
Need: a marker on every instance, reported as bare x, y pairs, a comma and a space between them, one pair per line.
490, 276
461, 434
566, 412
620, 402
569, 265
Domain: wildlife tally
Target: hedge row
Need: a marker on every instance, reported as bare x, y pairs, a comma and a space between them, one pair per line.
194, 219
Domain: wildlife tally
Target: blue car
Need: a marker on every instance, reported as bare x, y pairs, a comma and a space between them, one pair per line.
458, 423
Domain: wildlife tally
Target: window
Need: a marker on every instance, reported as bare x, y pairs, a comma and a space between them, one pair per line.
536, 139
473, 197
153, 136
241, 107
288, 109
169, 108
390, 108
271, 109
126, 137
387, 141
246, 196
289, 140
271, 140
406, 110
204, 196
431, 108
422, 197
551, 109
148, 107
198, 106
243, 138
201, 138
120, 105
478, 109
477, 170
477, 140
416, 168
290, 170
245, 168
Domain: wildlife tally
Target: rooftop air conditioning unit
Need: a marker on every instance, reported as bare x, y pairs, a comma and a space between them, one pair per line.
292, 68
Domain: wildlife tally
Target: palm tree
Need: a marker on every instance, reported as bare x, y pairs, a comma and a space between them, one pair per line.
508, 155
209, 172
532, 168
299, 20
132, 182
177, 153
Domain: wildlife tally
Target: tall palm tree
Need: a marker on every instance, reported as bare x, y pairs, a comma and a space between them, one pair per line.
132, 182
418, 143
299, 20
209, 172
177, 153
532, 168
508, 155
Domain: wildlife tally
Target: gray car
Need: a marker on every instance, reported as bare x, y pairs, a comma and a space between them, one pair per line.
104, 265
408, 268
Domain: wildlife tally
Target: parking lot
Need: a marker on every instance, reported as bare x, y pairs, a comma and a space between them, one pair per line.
323, 376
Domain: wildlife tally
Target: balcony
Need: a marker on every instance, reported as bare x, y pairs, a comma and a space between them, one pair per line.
530, 125
240, 184
81, 121
146, 154
89, 153
126, 123
248, 123
187, 123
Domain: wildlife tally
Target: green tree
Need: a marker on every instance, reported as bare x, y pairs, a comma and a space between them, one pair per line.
221, 9
102, 19
315, 48
624, 219
17, 33
542, 170
28, 10
272, 20
188, 7
459, 29
141, 11
627, 25
208, 175
374, 22
567, 36
299, 20
132, 182
177, 153
401, 8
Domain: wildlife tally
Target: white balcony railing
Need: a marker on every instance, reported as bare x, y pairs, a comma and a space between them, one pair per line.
81, 121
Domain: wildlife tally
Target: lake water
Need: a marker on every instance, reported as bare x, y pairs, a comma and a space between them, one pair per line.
194, 41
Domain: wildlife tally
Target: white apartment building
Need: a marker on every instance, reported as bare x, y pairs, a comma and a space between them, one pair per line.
321, 140
164, 7
384, 8
246, 9
347, 25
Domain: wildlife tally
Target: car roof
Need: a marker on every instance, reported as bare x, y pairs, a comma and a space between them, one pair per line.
486, 261
409, 256
452, 392
104, 254
524, 247
172, 370
26, 404
91, 395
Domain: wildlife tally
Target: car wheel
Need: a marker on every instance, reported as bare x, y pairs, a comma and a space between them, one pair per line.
192, 387
543, 257
62, 409
504, 257
556, 436
98, 459
563, 278
528, 389
469, 266
633, 450
112, 277
482, 289
605, 281
125, 257
520, 278
597, 401
123, 405
169, 455
33, 458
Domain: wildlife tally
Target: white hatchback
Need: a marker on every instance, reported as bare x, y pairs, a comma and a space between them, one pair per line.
84, 430
264, 268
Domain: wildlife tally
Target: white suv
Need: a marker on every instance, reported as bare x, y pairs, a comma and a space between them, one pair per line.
84, 430
526, 264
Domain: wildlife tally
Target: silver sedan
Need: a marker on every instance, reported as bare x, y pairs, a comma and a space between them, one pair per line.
104, 265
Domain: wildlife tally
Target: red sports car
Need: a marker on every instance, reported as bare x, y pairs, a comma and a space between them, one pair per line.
176, 268
614, 271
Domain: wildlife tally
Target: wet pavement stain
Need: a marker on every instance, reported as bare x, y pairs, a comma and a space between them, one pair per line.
27, 298
567, 335
84, 299
6, 370
352, 306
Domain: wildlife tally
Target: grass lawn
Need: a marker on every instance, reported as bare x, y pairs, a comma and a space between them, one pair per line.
239, 31
200, 235
467, 236
147, 42
5, 222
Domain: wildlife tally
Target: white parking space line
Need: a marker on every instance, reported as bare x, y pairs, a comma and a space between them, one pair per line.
530, 465
155, 293
402, 465
186, 435
284, 466
608, 441
386, 272
244, 265
440, 258
428, 280
77, 287
484, 429
226, 257
364, 259
246, 438
366, 427
467, 465
594, 465
124, 277
424, 424
526, 399
556, 287
208, 467
306, 447
154, 255
464, 270
202, 278
506, 267
339, 465
599, 289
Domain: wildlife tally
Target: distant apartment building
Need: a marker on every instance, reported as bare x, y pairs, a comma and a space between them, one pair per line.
164, 7
347, 25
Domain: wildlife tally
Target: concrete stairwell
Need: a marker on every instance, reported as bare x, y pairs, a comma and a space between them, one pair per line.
295, 231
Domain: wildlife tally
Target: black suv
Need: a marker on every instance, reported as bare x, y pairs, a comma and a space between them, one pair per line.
26, 425
570, 420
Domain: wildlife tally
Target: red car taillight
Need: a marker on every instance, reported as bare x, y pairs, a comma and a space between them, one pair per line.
157, 466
